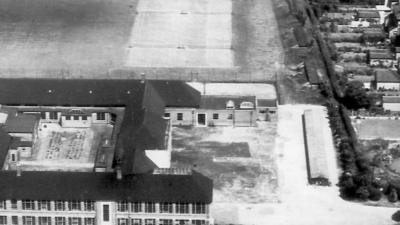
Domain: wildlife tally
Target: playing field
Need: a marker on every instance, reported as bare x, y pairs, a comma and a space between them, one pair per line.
194, 33
368, 129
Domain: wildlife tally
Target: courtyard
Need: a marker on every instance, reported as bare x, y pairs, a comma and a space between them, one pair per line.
71, 149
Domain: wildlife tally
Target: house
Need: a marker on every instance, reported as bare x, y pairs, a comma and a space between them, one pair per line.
21, 125
217, 111
387, 80
381, 58
391, 103
366, 80
68, 174
370, 16
397, 53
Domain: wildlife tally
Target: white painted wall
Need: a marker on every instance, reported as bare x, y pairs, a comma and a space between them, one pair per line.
394, 107
395, 86
162, 158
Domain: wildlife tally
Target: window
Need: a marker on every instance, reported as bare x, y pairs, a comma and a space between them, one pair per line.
74, 221
182, 208
198, 222
136, 207
89, 205
14, 220
101, 116
14, 204
84, 117
89, 221
68, 117
167, 115
3, 220
74, 205
76, 117
165, 207
44, 220
122, 221
149, 207
165, 222
199, 208
230, 116
43, 115
59, 205
28, 205
53, 115
28, 220
182, 222
2, 204
149, 222
44, 205
136, 222
122, 207
215, 116
106, 213
13, 157
60, 221
179, 116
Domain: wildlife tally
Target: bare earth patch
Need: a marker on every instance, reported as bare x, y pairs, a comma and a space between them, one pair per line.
239, 160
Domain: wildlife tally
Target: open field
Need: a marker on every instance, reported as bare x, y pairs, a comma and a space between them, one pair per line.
300, 203
240, 160
200, 40
64, 38
184, 37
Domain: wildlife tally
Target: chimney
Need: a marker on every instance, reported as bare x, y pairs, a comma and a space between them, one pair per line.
143, 77
119, 173
19, 171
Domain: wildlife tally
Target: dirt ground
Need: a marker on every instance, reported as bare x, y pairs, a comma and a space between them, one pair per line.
240, 160
300, 203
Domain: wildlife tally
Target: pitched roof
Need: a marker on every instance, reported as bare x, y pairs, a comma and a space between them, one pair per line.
176, 93
21, 123
368, 14
380, 54
311, 72
387, 76
219, 102
48, 185
391, 99
5, 142
266, 103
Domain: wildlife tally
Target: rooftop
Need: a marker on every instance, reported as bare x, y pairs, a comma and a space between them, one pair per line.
220, 102
368, 14
380, 54
20, 123
104, 186
64, 37
387, 76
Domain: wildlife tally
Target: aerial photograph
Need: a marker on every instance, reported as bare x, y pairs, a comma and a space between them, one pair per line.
199, 112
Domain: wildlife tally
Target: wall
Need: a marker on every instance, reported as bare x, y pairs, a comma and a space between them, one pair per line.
23, 136
382, 62
188, 116
394, 107
76, 123
162, 158
395, 86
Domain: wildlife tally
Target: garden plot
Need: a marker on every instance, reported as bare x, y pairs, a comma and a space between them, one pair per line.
368, 129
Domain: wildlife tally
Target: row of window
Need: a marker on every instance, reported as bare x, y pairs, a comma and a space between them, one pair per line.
179, 116
44, 220
54, 116
125, 221
149, 207
45, 205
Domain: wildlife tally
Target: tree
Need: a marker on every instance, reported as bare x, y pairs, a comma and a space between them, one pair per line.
362, 193
355, 96
396, 216
392, 197
374, 193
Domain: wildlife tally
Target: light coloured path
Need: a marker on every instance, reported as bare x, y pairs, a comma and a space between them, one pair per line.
301, 204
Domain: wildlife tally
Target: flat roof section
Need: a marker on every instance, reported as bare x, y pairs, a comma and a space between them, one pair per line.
69, 37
